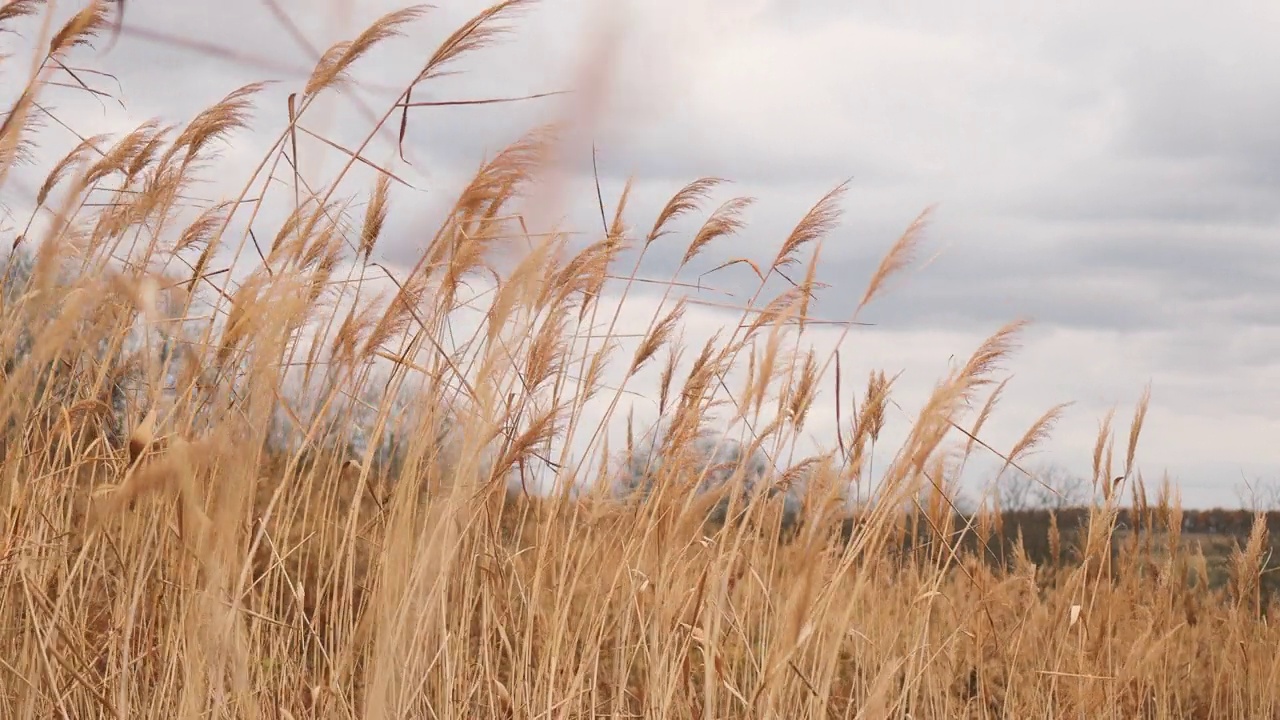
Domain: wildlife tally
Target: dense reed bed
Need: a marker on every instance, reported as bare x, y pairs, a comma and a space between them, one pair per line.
250, 472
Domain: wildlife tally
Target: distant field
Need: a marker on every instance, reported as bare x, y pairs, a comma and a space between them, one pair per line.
1215, 534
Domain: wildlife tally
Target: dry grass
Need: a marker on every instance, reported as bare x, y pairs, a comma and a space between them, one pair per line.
162, 556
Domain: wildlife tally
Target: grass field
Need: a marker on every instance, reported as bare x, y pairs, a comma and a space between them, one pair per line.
241, 481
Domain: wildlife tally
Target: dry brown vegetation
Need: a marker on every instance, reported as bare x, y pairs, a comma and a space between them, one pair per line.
184, 567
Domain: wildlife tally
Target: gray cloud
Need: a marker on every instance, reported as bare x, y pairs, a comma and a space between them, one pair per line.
1112, 177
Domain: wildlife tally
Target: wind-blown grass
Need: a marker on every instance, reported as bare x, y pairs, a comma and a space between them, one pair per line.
276, 480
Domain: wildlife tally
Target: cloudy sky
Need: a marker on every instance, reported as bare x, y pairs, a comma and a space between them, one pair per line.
1110, 171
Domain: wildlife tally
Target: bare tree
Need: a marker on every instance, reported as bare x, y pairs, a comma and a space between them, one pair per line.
1049, 487
1259, 494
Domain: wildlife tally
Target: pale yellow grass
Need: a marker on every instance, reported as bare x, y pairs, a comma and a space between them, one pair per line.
192, 570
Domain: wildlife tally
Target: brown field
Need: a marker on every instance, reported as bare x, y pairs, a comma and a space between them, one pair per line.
162, 557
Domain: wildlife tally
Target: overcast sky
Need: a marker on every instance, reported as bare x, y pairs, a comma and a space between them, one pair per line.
1111, 171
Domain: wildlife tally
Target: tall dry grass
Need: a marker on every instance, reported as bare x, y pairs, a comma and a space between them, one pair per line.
195, 526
